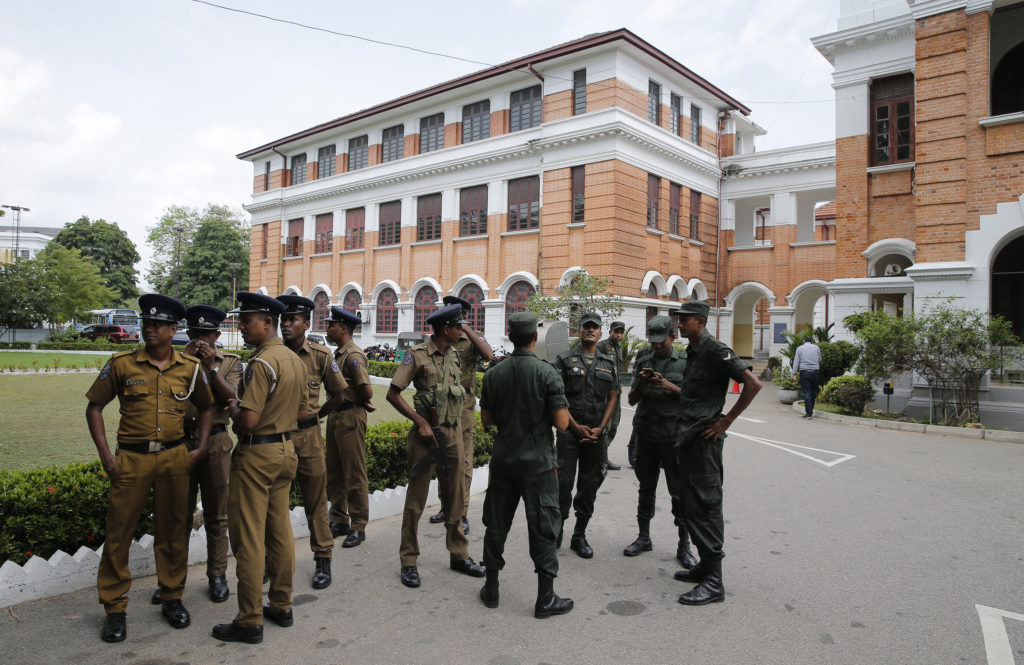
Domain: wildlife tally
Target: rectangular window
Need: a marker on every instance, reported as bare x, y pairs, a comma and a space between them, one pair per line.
325, 161
390, 224
695, 124
676, 114
266, 176
266, 241
524, 203
524, 108
324, 231
654, 102
579, 92
476, 121
293, 246
428, 217
432, 133
892, 120
694, 215
298, 174
357, 152
673, 208
653, 189
355, 225
392, 143
578, 194
473, 211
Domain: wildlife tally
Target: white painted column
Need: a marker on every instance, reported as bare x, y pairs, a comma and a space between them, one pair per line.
779, 318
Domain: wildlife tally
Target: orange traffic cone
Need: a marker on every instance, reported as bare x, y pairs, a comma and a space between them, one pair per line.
735, 388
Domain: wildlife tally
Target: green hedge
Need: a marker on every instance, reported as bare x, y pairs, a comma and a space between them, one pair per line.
84, 346
20, 346
56, 508
830, 394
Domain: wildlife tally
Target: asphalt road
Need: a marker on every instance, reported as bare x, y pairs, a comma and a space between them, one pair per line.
844, 545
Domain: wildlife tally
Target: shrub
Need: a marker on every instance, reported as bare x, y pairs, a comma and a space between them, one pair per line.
837, 358
853, 397
774, 363
56, 508
20, 346
68, 334
385, 369
830, 393
84, 346
783, 379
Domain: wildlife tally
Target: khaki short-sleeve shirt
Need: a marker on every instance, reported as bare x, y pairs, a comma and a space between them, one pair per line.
277, 392
355, 369
422, 367
321, 369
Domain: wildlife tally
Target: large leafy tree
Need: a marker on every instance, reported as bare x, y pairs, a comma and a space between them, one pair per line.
28, 297
75, 283
172, 238
110, 248
219, 248
584, 293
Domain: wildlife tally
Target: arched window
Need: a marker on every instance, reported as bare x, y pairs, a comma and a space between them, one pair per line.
425, 306
387, 312
1008, 83
1008, 285
323, 306
515, 299
474, 295
351, 303
652, 291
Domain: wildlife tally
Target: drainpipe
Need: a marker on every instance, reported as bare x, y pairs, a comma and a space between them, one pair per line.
284, 174
718, 229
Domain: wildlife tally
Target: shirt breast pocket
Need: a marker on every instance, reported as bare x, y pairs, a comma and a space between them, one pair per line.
604, 381
139, 391
574, 378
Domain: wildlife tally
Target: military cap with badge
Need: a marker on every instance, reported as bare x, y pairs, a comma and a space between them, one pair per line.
448, 315
257, 302
296, 304
694, 308
658, 328
339, 315
155, 307
590, 317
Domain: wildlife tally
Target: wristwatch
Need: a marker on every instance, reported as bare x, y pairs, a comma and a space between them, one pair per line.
215, 370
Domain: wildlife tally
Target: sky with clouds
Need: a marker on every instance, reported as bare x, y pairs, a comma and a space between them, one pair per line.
120, 108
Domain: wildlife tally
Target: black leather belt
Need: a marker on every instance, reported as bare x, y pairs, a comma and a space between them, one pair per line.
349, 405
308, 422
256, 439
150, 446
218, 429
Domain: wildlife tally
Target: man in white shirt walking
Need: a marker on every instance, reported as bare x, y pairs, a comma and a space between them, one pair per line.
806, 364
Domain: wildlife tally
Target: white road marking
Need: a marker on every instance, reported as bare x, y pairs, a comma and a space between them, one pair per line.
788, 447
993, 629
750, 420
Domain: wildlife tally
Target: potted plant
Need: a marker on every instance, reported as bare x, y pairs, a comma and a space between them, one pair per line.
789, 390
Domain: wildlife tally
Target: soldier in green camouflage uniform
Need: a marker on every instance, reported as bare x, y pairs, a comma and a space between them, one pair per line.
710, 365
613, 347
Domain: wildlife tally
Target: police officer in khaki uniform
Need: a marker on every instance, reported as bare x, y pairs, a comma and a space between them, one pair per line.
472, 348
274, 397
433, 369
152, 384
709, 366
321, 370
347, 485
591, 381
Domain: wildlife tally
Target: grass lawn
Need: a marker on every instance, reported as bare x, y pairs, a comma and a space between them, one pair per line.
38, 360
43, 420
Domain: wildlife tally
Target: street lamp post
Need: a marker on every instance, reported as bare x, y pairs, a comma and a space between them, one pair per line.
17, 225
234, 327
177, 263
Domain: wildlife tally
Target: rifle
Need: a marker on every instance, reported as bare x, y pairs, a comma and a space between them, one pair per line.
439, 459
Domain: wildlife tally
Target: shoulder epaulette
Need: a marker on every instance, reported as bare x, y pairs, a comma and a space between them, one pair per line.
321, 348
228, 354
121, 354
189, 356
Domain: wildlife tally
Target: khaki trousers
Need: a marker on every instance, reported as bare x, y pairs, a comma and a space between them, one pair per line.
416, 498
467, 421
312, 477
347, 484
210, 478
261, 478
134, 474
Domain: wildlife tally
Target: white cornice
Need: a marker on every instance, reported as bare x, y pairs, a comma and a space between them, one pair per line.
868, 34
941, 270
875, 70
925, 8
871, 285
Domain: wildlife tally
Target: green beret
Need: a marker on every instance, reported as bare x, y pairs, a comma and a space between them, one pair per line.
695, 308
590, 317
658, 329
522, 323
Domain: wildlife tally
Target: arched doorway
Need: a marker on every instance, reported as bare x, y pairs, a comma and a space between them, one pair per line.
1008, 285
750, 302
810, 304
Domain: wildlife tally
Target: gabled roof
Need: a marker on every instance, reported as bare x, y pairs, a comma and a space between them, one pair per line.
590, 41
827, 211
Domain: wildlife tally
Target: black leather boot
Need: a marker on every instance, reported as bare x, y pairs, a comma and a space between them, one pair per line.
322, 574
710, 590
693, 575
489, 592
115, 629
219, 589
643, 541
548, 602
579, 542
683, 553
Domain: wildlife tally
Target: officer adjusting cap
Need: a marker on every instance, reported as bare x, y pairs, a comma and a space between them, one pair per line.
296, 304
257, 302
340, 315
204, 317
694, 308
451, 314
617, 325
455, 300
658, 328
522, 323
160, 308
590, 317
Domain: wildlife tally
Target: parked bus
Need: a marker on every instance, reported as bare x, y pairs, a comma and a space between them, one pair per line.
124, 317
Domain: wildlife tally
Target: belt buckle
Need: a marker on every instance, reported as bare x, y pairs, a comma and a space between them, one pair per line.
155, 446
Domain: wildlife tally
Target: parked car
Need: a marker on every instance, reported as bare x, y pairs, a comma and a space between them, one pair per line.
115, 334
181, 339
320, 338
